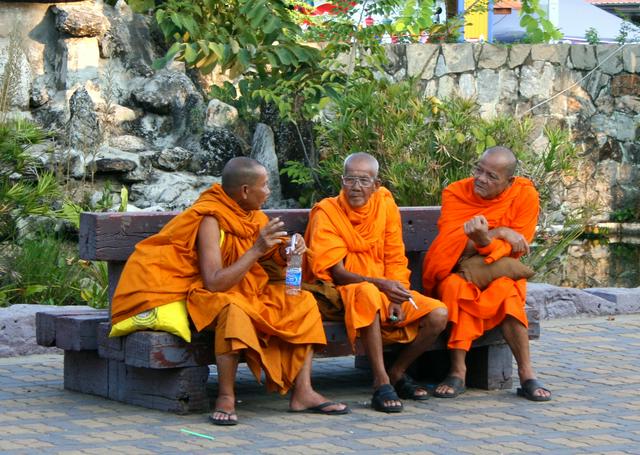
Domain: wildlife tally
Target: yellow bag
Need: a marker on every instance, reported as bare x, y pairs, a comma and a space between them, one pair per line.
172, 318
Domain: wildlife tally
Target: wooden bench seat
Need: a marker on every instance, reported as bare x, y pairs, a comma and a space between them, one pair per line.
161, 371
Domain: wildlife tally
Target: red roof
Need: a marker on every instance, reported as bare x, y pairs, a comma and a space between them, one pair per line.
614, 2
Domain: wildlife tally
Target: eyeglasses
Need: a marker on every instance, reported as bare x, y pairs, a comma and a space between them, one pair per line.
365, 182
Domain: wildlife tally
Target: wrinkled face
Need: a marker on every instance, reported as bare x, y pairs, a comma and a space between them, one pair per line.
256, 194
490, 177
359, 182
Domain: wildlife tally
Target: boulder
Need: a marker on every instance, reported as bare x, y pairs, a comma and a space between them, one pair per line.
79, 21
218, 145
263, 150
170, 190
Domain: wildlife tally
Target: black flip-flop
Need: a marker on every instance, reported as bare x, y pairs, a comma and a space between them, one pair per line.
407, 389
453, 382
385, 392
528, 390
322, 409
223, 422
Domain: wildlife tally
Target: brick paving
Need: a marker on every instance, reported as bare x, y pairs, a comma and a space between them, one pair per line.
591, 365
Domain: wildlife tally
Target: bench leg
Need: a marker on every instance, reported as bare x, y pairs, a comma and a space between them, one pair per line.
490, 367
180, 390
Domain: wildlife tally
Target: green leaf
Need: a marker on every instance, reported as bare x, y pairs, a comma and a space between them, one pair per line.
190, 55
286, 57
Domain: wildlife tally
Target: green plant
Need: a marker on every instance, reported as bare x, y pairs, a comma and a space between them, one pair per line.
623, 215
535, 21
591, 35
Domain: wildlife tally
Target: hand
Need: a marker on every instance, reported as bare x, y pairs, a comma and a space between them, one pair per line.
477, 229
396, 314
299, 246
394, 290
269, 236
518, 242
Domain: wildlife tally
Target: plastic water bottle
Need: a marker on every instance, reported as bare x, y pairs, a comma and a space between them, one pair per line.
293, 276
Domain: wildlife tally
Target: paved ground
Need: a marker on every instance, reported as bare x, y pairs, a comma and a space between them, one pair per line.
592, 365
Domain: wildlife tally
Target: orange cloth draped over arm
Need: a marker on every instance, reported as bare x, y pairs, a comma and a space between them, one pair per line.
276, 330
369, 241
471, 310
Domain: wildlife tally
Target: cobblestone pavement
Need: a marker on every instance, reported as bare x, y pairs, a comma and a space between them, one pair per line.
591, 365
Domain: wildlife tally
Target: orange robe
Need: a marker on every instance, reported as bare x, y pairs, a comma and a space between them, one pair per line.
471, 310
277, 330
369, 241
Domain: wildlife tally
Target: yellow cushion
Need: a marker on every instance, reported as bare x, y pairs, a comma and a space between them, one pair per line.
172, 318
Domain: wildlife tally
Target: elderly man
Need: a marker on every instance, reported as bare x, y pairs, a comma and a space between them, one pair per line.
356, 239
492, 214
209, 256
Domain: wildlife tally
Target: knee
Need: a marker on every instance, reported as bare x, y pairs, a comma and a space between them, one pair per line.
437, 319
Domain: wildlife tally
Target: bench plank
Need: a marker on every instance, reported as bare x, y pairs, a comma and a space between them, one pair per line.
113, 236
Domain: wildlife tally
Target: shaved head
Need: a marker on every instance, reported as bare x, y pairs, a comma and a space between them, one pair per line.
364, 159
240, 171
505, 157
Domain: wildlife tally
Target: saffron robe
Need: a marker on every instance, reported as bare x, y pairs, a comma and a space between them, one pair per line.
276, 330
471, 310
369, 241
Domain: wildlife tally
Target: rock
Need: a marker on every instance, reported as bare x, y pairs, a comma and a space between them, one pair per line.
631, 58
553, 53
77, 60
559, 302
39, 91
128, 143
609, 58
218, 146
111, 159
518, 54
536, 80
220, 115
166, 92
625, 300
18, 328
263, 150
488, 83
625, 84
583, 57
446, 86
173, 159
79, 21
170, 190
492, 56
19, 87
83, 130
458, 58
467, 86
421, 59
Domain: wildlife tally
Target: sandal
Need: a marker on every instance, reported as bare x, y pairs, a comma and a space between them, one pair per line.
407, 389
528, 390
385, 392
224, 422
453, 382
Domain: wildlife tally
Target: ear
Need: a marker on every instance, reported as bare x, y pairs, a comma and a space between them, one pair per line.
244, 191
377, 183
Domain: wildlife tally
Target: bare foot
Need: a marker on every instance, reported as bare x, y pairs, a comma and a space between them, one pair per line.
301, 400
224, 410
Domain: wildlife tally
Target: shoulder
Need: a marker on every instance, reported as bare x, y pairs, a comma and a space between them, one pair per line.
525, 187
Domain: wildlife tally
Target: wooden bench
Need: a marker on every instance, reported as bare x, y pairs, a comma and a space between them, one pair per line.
161, 371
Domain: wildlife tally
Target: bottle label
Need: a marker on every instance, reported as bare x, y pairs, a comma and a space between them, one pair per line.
293, 278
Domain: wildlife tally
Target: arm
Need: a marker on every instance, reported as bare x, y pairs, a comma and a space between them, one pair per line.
217, 278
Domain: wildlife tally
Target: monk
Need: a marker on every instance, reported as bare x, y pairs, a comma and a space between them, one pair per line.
210, 256
493, 214
356, 239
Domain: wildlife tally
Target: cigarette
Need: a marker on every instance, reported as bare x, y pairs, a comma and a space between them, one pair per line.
413, 303
293, 242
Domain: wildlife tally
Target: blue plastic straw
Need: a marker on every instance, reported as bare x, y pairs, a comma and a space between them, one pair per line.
198, 434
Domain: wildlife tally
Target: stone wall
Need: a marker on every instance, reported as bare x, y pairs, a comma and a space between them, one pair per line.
85, 72
593, 90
